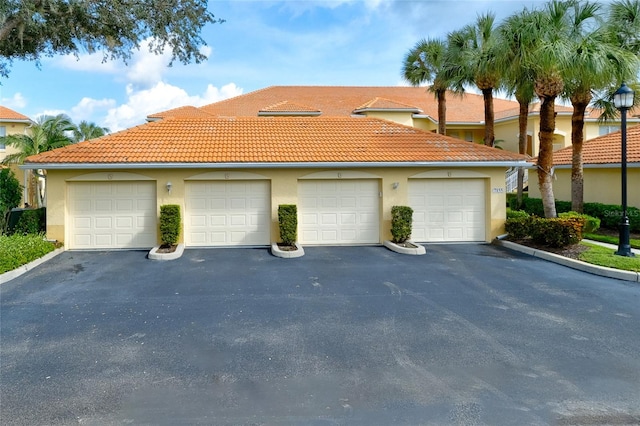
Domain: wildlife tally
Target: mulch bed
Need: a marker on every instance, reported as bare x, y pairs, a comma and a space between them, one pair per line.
572, 251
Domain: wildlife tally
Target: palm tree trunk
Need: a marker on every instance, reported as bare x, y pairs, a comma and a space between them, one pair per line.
523, 118
489, 136
442, 111
577, 140
545, 156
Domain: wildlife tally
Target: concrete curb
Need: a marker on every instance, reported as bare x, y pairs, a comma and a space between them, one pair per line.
417, 251
154, 255
8, 276
571, 263
275, 250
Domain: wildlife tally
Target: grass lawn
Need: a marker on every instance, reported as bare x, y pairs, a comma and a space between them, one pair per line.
611, 239
604, 256
17, 250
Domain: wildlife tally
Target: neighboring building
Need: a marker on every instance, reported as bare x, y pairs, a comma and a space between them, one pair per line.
411, 106
11, 123
602, 157
230, 174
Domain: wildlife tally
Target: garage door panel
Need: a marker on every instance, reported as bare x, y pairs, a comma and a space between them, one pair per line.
339, 212
448, 209
237, 212
329, 219
109, 215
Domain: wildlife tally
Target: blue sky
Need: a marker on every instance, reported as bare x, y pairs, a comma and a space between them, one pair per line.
262, 43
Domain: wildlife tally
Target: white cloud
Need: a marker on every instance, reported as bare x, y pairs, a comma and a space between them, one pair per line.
17, 101
161, 97
147, 68
87, 108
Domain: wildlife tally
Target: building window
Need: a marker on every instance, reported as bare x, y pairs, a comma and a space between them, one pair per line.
3, 132
605, 130
468, 136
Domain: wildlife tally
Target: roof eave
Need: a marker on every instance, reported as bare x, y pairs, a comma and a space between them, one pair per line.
599, 166
284, 165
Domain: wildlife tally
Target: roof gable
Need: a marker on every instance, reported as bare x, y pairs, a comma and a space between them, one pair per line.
605, 149
273, 140
382, 104
288, 108
7, 114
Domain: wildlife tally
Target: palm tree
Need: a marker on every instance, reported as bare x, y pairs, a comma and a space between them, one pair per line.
473, 60
47, 133
548, 60
425, 63
595, 64
517, 77
85, 131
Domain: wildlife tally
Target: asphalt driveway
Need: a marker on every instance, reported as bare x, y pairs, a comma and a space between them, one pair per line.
465, 335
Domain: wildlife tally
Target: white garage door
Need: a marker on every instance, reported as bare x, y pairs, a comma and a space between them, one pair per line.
227, 213
447, 209
112, 215
339, 212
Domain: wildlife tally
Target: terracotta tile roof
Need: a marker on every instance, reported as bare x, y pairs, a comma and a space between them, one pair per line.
289, 108
182, 112
605, 149
378, 103
336, 101
273, 140
9, 114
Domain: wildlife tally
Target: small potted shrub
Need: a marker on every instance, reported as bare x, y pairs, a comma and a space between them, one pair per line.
169, 234
288, 223
401, 222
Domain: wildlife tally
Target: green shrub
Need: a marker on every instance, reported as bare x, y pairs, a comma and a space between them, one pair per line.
401, 222
516, 214
10, 194
557, 232
17, 250
512, 200
591, 224
169, 224
534, 206
518, 227
31, 221
609, 214
288, 221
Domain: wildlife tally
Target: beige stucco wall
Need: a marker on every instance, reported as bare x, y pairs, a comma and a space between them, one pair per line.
602, 185
13, 129
284, 189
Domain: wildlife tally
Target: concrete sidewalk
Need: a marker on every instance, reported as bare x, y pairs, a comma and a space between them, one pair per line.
573, 263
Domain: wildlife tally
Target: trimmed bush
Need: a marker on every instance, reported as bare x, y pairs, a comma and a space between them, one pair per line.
518, 227
557, 232
32, 221
288, 221
591, 224
609, 214
517, 214
534, 206
401, 222
512, 200
169, 224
